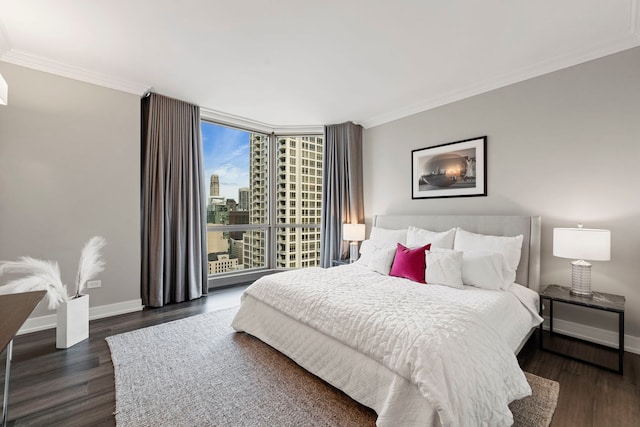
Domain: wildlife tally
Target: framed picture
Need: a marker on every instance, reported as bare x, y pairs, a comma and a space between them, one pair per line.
456, 169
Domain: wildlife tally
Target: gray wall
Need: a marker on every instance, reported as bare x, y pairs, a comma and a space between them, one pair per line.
565, 146
69, 170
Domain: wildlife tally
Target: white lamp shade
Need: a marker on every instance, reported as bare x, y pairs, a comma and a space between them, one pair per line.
4, 91
582, 243
353, 232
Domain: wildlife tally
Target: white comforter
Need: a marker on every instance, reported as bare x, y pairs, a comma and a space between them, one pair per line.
430, 335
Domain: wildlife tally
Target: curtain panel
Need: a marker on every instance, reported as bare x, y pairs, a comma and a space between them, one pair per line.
342, 200
173, 213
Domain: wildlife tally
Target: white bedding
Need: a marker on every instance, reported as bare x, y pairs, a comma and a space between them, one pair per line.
446, 353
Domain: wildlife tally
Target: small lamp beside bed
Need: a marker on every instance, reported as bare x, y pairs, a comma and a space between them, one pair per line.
582, 244
353, 233
4, 91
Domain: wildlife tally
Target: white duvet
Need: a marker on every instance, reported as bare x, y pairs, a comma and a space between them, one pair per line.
436, 337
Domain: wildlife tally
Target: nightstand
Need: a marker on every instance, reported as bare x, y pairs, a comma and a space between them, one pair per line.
337, 262
600, 301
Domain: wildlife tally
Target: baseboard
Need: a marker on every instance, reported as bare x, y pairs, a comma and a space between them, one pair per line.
596, 335
99, 312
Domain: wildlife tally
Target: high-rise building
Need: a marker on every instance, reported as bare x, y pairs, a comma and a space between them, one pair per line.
254, 240
214, 186
298, 201
243, 198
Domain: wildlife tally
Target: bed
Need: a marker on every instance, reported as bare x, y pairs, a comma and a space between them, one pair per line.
419, 355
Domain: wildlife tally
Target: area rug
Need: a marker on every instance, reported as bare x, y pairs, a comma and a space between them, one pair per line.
197, 371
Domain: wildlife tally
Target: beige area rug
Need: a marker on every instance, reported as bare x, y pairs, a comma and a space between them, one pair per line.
198, 372
536, 410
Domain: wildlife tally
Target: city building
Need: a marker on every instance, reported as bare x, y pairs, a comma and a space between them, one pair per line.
298, 201
217, 242
214, 185
237, 249
254, 240
243, 198
217, 213
236, 218
221, 263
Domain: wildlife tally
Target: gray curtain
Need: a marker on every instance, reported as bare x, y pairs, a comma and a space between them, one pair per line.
174, 229
342, 200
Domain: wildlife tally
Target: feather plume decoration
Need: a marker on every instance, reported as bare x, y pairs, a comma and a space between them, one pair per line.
90, 263
43, 275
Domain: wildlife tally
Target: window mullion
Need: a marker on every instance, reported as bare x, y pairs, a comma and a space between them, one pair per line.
272, 197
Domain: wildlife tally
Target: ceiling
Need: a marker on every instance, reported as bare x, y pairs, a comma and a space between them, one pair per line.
298, 63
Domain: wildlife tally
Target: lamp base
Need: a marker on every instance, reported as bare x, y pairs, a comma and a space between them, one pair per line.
581, 294
353, 252
581, 279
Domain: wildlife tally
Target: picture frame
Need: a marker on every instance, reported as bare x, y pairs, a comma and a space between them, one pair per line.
454, 169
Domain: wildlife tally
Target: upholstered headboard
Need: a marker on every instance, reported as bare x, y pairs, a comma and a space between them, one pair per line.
528, 272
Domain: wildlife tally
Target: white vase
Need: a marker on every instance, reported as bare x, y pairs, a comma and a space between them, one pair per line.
73, 322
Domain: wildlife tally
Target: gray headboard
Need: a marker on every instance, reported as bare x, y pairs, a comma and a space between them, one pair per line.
528, 272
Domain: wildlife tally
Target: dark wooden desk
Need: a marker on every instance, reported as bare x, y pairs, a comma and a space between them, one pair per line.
14, 310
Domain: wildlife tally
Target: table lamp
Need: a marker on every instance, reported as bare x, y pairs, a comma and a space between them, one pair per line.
4, 91
354, 233
582, 244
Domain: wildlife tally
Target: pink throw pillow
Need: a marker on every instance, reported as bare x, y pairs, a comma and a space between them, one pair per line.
410, 263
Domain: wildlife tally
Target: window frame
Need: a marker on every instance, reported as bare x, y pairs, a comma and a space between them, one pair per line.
271, 225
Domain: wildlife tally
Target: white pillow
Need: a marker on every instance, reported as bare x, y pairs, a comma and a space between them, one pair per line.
369, 247
483, 269
382, 259
388, 236
509, 247
417, 237
366, 249
444, 267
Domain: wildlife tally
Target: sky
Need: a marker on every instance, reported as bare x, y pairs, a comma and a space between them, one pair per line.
226, 154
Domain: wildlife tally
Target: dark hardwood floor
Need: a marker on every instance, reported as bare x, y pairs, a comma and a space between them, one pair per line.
589, 396
75, 387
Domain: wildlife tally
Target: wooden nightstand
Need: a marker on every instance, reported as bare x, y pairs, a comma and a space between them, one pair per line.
600, 301
337, 262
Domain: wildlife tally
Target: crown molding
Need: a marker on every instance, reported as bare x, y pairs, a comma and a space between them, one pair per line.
47, 65
245, 123
631, 40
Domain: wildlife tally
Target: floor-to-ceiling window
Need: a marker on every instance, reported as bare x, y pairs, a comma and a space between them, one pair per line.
264, 198
236, 164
